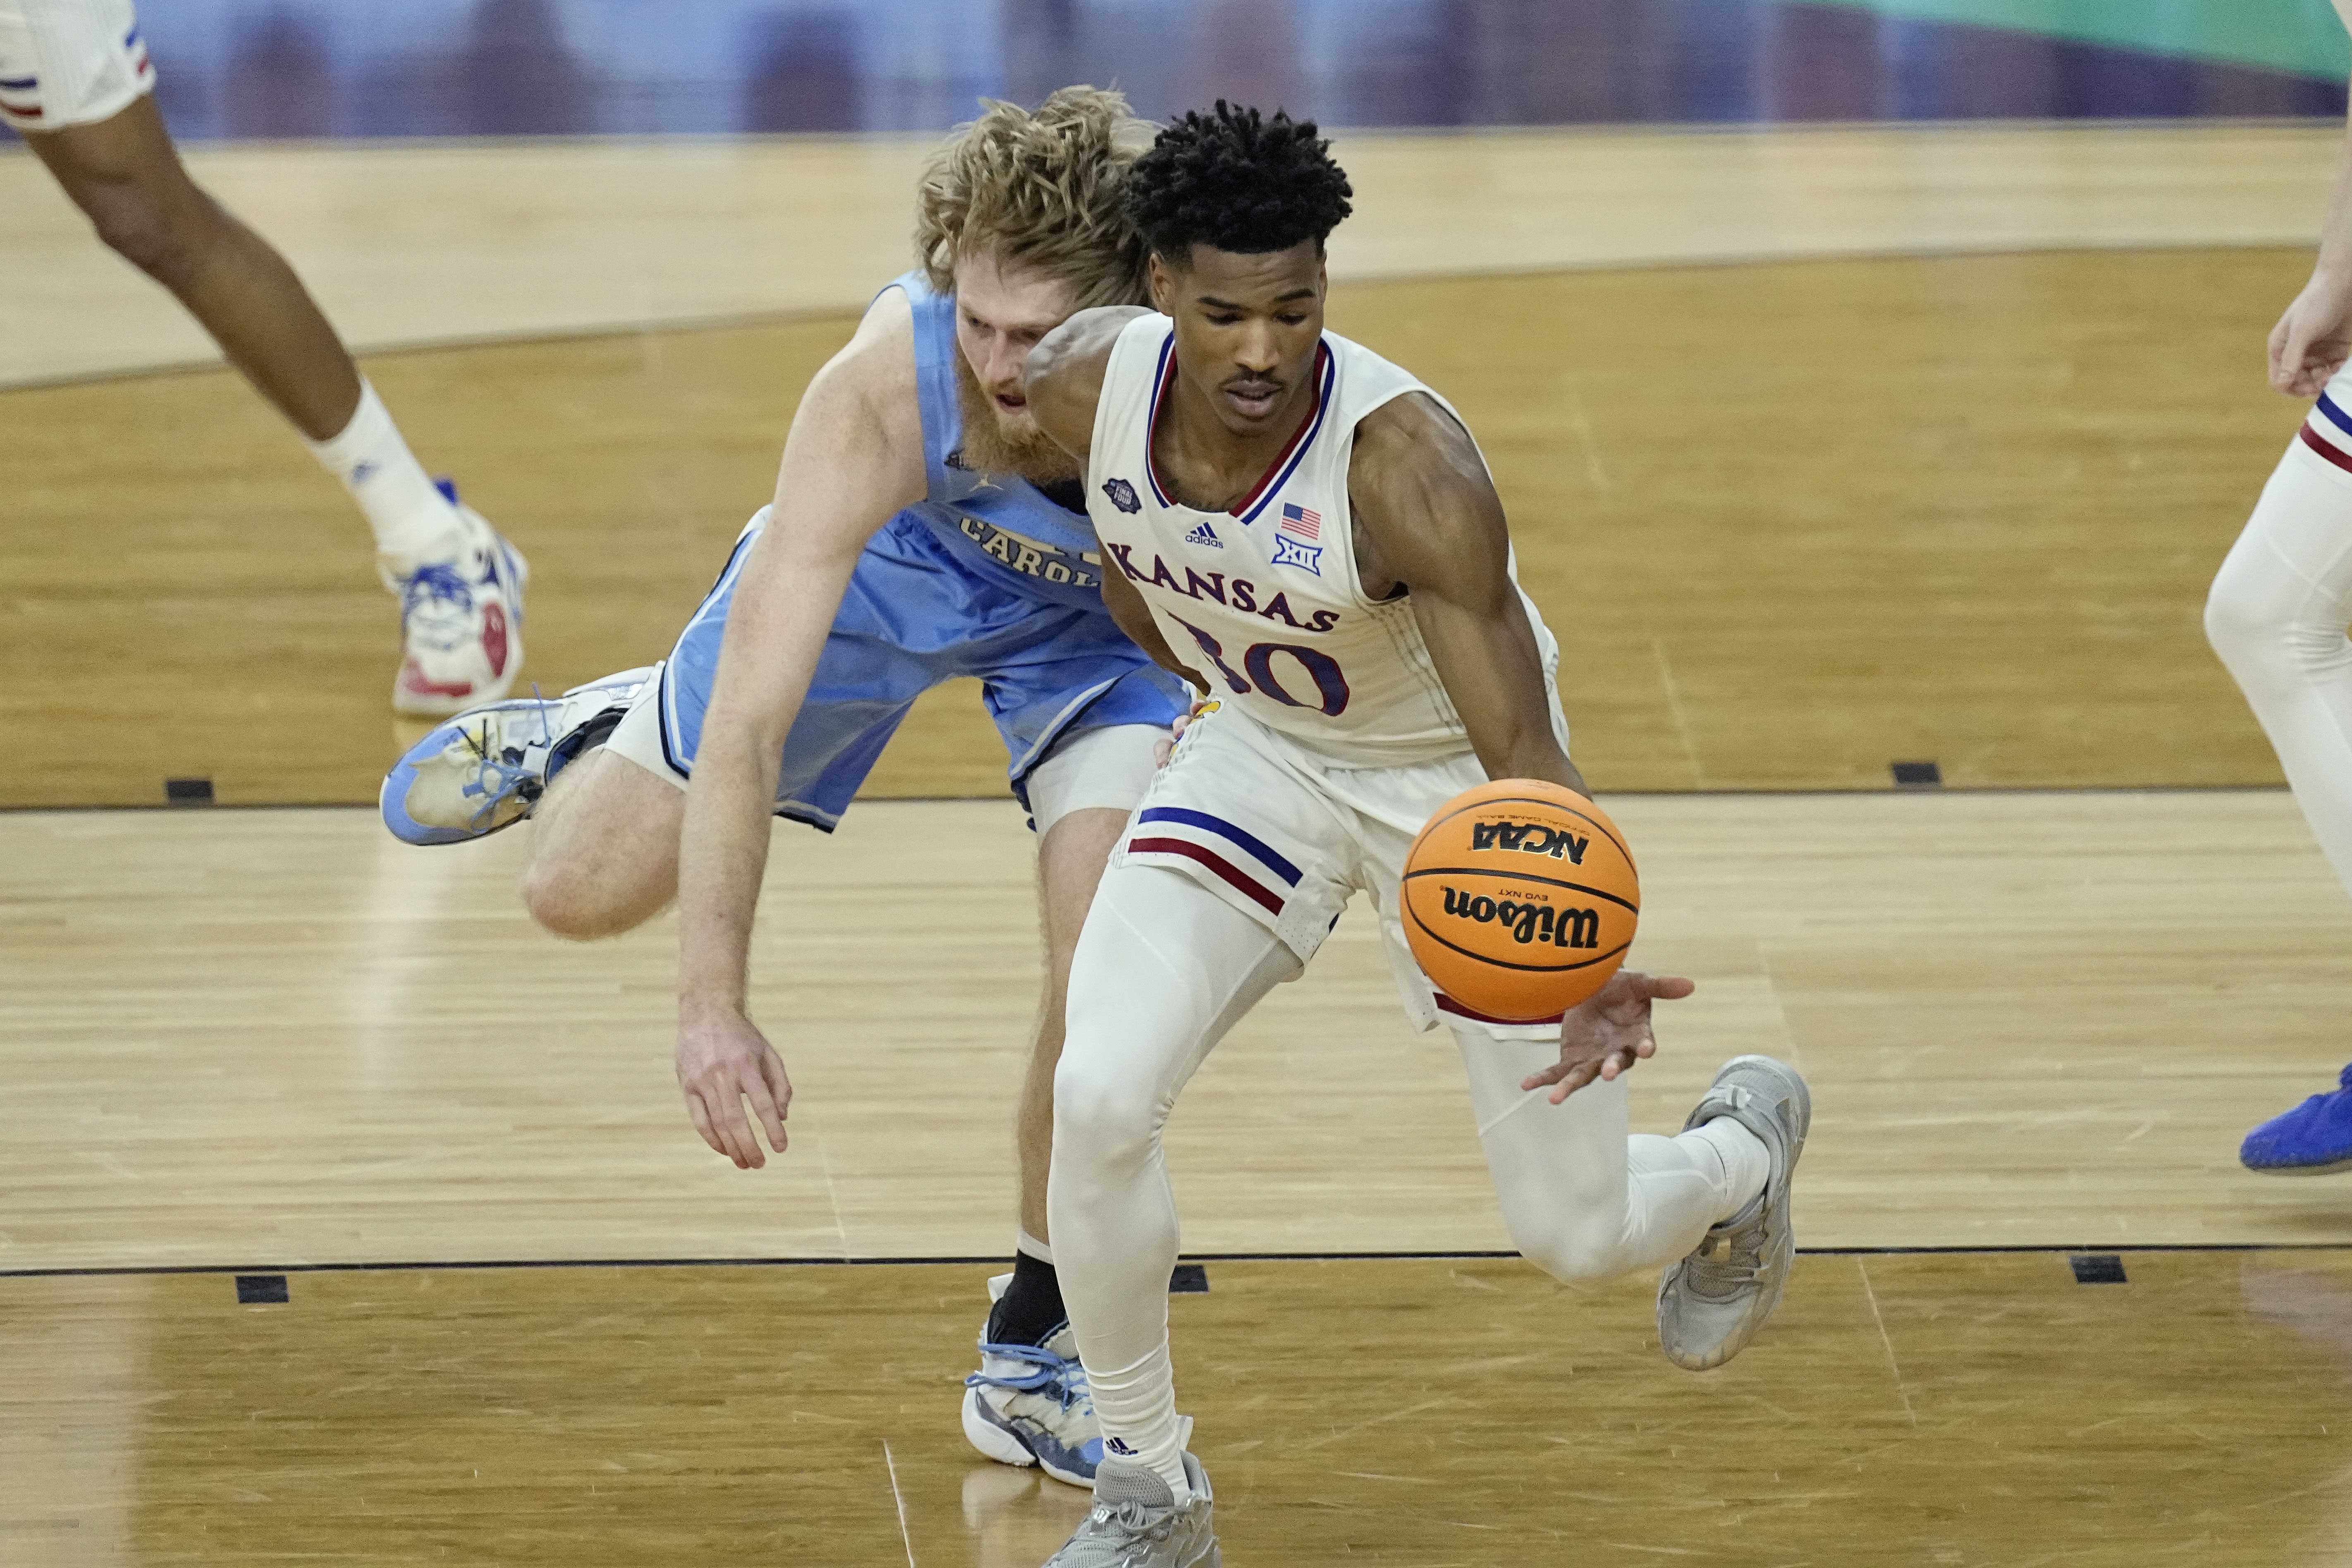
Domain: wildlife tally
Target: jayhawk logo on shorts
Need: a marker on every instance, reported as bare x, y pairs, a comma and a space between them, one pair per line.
1123, 494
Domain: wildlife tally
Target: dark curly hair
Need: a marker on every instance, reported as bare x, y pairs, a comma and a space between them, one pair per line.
1233, 180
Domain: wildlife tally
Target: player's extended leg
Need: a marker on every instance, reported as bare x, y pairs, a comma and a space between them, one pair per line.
460, 584
2276, 617
125, 175
1163, 969
1586, 1200
1583, 1198
1027, 1404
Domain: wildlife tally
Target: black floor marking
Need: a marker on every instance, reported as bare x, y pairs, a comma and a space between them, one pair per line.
188, 791
1918, 776
260, 1290
1190, 1280
2097, 1268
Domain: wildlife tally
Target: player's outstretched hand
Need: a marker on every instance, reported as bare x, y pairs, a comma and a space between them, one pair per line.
1608, 1032
2314, 338
723, 1061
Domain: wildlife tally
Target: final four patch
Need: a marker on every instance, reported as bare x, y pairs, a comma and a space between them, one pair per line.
1123, 494
1288, 551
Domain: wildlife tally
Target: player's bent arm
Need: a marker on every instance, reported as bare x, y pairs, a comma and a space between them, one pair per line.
1426, 508
1133, 616
1064, 377
853, 457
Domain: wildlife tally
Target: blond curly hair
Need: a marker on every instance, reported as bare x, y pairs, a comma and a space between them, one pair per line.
1040, 190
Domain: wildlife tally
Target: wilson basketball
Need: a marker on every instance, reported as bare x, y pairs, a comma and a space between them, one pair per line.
1519, 898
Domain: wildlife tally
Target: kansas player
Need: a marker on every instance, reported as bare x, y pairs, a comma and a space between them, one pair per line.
922, 529
2277, 613
1312, 535
74, 81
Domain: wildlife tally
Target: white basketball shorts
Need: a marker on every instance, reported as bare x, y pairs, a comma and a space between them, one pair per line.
70, 62
1285, 836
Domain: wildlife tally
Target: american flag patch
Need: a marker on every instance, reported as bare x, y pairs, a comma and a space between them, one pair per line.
1297, 519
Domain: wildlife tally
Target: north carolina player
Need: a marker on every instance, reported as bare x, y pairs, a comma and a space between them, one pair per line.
921, 530
2278, 613
1312, 535
75, 79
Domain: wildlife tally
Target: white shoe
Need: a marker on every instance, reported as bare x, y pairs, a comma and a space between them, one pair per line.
460, 621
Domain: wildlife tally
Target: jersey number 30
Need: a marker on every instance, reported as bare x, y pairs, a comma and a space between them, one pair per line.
1330, 684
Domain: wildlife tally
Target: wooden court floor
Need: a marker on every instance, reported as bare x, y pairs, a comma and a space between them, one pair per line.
1966, 1410
1791, 522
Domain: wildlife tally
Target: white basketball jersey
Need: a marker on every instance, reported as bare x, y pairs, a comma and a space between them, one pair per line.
1263, 600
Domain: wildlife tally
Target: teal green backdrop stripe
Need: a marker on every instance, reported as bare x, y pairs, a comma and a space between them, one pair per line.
2300, 36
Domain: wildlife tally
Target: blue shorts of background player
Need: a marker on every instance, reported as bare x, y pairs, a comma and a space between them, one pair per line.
914, 616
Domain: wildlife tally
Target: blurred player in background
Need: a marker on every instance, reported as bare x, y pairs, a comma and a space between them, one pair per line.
75, 80
2278, 613
922, 529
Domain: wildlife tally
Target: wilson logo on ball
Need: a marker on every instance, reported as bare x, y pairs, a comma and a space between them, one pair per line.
1528, 923
1518, 899
1529, 838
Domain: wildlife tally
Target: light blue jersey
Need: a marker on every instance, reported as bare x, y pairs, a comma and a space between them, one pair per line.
1001, 525
984, 577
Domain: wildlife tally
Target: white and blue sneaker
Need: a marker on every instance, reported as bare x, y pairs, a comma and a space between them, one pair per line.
1029, 1405
460, 619
486, 768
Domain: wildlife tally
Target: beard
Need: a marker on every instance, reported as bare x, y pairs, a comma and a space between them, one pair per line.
989, 447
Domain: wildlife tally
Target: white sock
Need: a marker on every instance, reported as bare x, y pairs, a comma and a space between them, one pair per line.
1036, 1248
1746, 1165
413, 523
1136, 1406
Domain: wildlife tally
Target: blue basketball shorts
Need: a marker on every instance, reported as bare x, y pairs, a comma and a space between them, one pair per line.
913, 616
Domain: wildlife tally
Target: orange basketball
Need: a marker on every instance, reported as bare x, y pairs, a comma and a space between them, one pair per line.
1519, 898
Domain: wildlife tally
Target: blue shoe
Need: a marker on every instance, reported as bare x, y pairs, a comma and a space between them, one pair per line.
2311, 1140
1029, 1405
486, 768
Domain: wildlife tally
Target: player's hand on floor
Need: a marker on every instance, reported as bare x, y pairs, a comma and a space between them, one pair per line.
2312, 340
1607, 1033
723, 1061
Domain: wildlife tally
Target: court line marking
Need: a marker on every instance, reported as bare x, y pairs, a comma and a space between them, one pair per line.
1891, 1364
996, 1259
900, 1499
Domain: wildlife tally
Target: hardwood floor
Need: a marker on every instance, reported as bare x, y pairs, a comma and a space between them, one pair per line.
248, 1038
1963, 1409
1792, 523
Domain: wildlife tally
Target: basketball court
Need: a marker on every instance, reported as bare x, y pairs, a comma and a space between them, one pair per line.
1875, 389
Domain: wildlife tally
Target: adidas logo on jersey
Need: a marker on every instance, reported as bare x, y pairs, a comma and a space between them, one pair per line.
1206, 536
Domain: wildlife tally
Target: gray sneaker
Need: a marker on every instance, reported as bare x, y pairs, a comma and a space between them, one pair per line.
1712, 1302
1137, 1525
